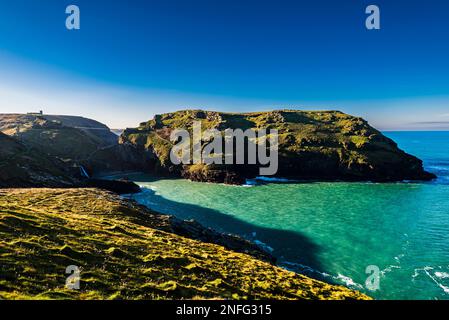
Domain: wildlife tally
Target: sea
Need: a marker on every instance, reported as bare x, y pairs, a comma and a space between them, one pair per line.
388, 240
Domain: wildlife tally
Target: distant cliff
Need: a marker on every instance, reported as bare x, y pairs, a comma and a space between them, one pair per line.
313, 145
76, 141
22, 166
57, 151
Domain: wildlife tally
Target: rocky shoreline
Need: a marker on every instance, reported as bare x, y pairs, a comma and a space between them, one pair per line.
194, 230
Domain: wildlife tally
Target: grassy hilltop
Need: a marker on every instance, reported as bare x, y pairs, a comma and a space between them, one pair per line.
61, 136
72, 140
313, 145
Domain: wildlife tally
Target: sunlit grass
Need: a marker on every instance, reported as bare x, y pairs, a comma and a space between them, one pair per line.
123, 254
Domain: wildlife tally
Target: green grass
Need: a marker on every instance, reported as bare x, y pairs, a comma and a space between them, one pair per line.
330, 132
346, 147
124, 254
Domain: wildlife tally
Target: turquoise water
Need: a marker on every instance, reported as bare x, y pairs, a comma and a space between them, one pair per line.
333, 231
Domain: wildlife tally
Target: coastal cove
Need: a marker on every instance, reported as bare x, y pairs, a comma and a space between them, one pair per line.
333, 230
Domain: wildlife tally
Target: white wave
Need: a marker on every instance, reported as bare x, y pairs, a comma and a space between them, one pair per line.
417, 270
293, 266
84, 172
250, 183
389, 269
348, 281
445, 289
264, 246
257, 180
442, 275
439, 168
272, 179
147, 190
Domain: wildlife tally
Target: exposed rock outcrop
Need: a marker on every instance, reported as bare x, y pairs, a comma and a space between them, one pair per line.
116, 186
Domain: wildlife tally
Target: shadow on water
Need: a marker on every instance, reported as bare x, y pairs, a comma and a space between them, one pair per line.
287, 245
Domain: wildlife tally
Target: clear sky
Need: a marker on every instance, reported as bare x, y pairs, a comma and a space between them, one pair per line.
132, 59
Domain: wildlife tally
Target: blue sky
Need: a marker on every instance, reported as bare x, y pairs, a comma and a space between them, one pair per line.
132, 59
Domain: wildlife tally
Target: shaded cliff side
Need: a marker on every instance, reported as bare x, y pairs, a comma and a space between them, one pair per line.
23, 166
313, 145
125, 251
58, 151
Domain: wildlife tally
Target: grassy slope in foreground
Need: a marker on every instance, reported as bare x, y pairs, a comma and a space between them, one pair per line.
123, 255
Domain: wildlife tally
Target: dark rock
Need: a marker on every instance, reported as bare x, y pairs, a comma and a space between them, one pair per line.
194, 230
116, 186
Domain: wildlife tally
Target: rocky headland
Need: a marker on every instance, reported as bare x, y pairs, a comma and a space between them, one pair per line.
313, 145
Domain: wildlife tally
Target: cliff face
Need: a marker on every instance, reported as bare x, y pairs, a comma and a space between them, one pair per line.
74, 140
48, 151
320, 145
125, 251
21, 166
